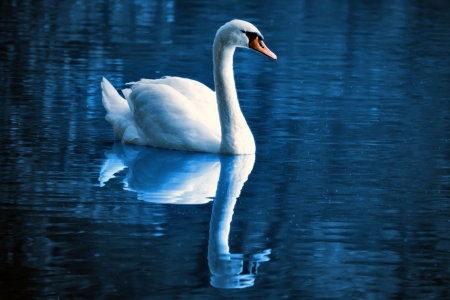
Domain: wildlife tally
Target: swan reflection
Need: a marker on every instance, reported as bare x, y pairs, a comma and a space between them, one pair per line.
165, 176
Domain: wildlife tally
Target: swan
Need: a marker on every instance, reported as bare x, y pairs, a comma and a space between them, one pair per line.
183, 114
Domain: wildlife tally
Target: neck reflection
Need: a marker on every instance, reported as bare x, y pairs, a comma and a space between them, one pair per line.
230, 270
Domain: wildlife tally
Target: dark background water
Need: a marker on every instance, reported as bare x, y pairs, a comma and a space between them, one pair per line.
351, 184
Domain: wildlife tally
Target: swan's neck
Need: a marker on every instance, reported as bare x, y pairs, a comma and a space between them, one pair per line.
236, 135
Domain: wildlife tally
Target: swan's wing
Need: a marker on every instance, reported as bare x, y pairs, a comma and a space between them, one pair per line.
168, 119
193, 90
202, 97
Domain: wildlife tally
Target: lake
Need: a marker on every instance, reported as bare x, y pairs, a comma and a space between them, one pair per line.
347, 196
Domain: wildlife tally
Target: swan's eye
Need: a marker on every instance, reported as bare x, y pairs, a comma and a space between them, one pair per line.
242, 31
253, 35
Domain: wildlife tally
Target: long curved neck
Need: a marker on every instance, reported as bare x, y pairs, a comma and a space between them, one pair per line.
236, 135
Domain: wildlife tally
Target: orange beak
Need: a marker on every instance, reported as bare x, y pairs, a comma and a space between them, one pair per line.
257, 44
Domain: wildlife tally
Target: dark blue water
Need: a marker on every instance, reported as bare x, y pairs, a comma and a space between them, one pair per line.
346, 198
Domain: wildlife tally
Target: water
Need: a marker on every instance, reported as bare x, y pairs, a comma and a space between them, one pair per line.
347, 196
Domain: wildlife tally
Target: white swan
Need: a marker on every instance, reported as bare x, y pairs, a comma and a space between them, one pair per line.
183, 114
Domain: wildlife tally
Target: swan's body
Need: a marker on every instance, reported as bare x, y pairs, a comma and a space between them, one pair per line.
183, 114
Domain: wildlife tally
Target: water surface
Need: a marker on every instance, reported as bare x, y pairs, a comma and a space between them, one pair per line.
348, 194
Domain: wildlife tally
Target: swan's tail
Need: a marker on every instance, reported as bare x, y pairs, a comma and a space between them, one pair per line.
115, 105
118, 113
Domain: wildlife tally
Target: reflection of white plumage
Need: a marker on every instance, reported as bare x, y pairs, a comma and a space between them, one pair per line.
183, 114
163, 176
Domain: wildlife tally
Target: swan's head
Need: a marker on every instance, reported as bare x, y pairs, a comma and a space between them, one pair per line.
238, 33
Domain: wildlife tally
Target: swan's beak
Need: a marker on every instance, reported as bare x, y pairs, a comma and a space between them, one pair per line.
258, 45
